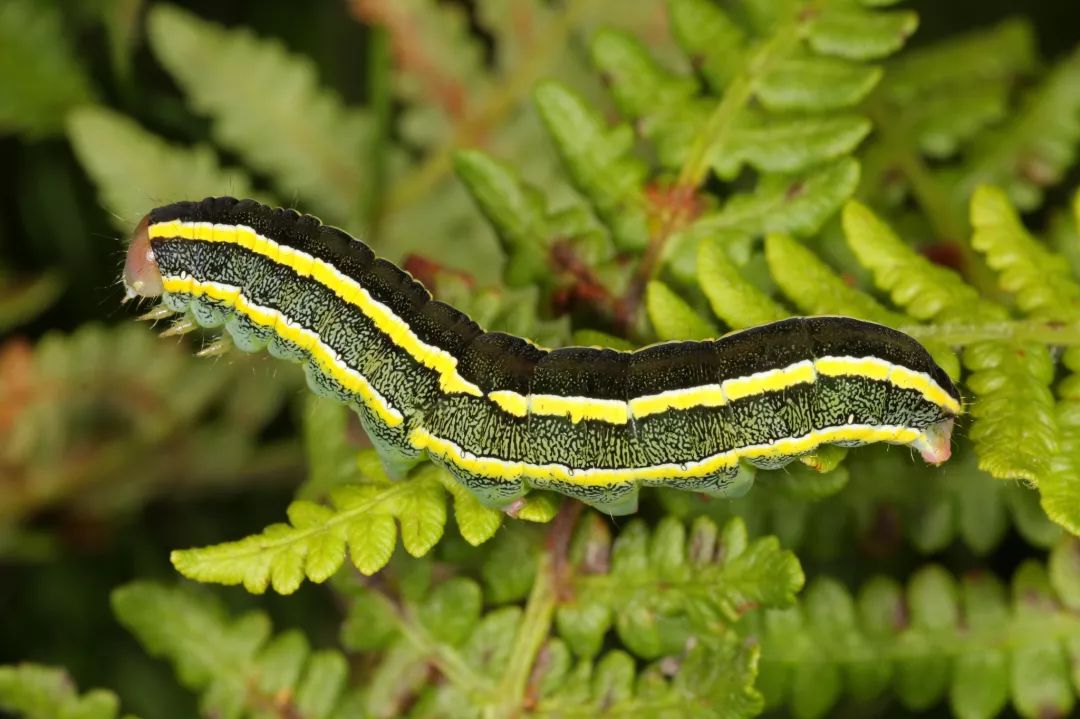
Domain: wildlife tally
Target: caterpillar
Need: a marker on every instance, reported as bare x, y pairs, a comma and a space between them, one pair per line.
504, 415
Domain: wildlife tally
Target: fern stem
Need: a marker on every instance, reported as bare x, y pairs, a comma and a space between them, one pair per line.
960, 334
717, 131
946, 218
533, 632
378, 80
449, 662
497, 106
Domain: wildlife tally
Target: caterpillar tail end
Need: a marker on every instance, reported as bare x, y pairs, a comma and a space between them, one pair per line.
935, 444
141, 275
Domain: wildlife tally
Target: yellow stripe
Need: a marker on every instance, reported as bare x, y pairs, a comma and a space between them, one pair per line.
897, 375
329, 276
918, 381
708, 395
769, 381
496, 468
510, 402
324, 357
869, 367
613, 411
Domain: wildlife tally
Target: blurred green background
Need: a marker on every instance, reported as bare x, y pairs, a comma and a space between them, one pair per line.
135, 450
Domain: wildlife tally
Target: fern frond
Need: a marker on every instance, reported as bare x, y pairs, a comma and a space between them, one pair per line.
505, 661
300, 134
860, 33
598, 161
712, 679
886, 502
156, 439
135, 170
364, 518
732, 297
951, 91
1009, 378
1032, 151
925, 290
937, 639
40, 79
1040, 281
815, 288
799, 205
519, 214
673, 318
33, 691
711, 576
235, 665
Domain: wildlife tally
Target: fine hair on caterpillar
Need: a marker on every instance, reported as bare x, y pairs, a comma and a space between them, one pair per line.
504, 415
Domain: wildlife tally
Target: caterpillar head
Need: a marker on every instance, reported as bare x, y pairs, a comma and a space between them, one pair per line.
935, 444
141, 275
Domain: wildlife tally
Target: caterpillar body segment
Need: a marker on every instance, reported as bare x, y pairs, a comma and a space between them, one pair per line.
503, 415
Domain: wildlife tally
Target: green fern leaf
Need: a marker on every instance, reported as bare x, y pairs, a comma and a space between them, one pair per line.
135, 170
938, 639
815, 84
700, 587
710, 38
783, 145
33, 691
664, 105
672, 318
313, 543
816, 288
1005, 376
234, 664
799, 205
315, 153
732, 297
363, 520
1032, 151
925, 290
598, 161
858, 34
40, 79
713, 679
517, 212
1041, 281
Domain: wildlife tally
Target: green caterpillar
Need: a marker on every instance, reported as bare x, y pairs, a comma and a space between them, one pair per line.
504, 415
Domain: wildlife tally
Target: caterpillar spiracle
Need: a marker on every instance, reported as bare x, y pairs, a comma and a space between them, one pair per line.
504, 415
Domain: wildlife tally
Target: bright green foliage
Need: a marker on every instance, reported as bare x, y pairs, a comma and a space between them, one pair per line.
598, 161
799, 205
313, 544
236, 666
712, 577
301, 136
130, 165
732, 298
33, 691
1014, 430
672, 317
879, 500
966, 641
498, 662
40, 80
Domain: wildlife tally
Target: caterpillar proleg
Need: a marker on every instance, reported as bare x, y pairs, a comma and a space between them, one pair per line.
504, 415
